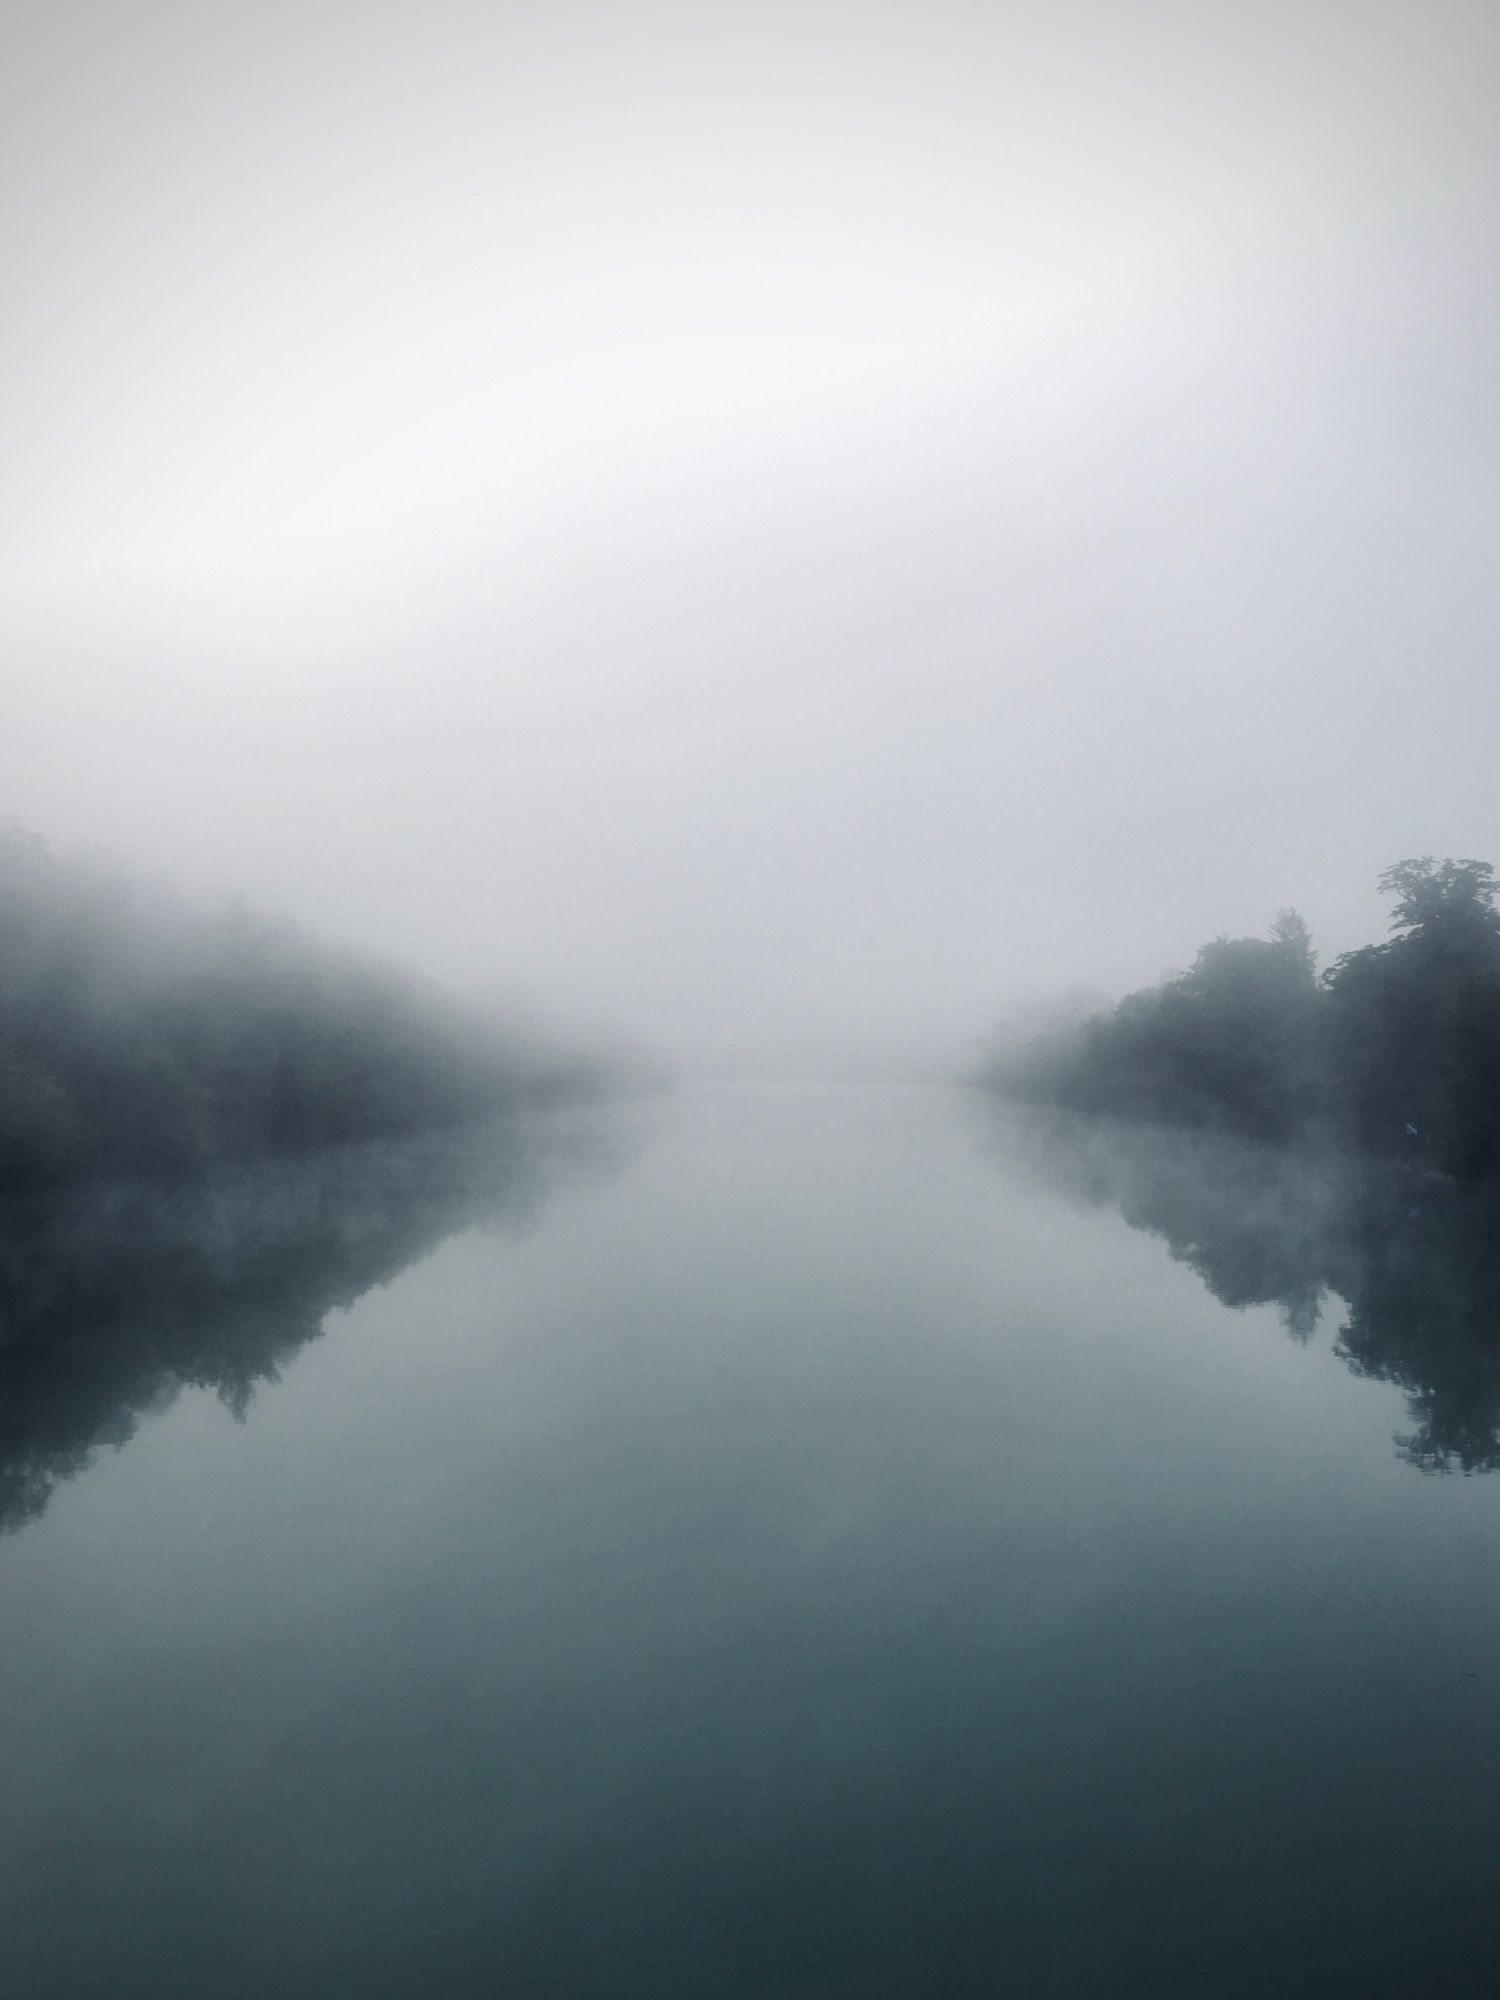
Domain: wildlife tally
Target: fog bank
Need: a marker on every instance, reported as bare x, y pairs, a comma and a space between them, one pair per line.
773, 532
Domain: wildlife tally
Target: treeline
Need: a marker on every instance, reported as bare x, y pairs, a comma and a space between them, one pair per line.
1395, 1049
138, 1037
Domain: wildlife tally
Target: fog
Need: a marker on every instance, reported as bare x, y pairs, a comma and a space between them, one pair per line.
780, 532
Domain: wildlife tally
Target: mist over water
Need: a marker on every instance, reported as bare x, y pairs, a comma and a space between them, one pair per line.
792, 551
815, 1556
1394, 1266
117, 1296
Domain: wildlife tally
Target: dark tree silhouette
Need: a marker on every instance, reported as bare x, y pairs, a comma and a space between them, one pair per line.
139, 1038
1412, 1030
1449, 904
1396, 1050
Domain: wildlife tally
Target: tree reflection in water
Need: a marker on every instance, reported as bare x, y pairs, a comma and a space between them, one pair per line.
1412, 1257
115, 1298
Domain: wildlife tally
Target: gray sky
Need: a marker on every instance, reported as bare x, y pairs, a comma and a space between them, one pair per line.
758, 526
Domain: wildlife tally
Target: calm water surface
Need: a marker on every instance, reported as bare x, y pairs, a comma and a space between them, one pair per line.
817, 1548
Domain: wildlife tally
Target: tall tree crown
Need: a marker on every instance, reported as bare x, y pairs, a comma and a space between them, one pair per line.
1437, 897
1289, 930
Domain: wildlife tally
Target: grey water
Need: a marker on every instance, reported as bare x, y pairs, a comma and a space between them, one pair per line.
816, 1541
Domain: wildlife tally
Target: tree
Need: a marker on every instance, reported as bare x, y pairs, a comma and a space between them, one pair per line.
138, 1038
1396, 1049
1289, 933
1411, 1039
1447, 902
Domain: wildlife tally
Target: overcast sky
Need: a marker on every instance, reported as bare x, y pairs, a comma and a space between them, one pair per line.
761, 526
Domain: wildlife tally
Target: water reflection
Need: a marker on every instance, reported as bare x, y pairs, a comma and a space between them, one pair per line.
114, 1299
1409, 1260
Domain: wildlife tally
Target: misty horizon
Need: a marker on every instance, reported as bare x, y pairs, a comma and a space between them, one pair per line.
758, 542
749, 1000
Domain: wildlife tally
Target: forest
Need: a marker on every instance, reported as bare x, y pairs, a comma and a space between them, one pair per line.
1393, 1051
141, 1037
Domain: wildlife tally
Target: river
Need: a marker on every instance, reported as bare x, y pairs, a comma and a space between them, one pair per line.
808, 1541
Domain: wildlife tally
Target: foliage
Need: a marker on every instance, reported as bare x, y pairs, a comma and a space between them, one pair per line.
1395, 1050
137, 1037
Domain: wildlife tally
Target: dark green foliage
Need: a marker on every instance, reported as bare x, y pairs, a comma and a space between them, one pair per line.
137, 1038
1399, 1035
1231, 1042
1411, 1035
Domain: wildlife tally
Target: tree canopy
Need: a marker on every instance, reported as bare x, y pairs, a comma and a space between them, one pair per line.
138, 1036
1396, 1049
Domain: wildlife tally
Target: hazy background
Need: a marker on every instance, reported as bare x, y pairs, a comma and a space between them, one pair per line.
775, 529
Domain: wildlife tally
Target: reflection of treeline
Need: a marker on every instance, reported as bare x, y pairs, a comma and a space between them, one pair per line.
137, 1038
116, 1295
1414, 1257
1396, 1049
